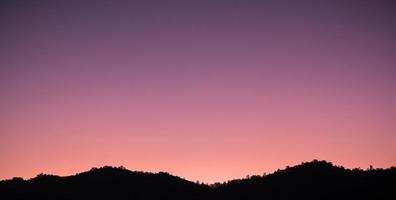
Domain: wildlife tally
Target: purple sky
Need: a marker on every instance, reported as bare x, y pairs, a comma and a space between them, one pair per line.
207, 90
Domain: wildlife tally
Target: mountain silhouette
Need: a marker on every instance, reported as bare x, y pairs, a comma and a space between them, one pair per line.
310, 180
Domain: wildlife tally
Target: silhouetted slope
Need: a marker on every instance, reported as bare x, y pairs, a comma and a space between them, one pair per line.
313, 180
102, 183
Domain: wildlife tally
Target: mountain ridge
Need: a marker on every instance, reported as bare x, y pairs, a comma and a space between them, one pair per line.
309, 180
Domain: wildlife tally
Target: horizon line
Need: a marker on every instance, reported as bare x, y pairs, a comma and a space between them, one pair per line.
371, 167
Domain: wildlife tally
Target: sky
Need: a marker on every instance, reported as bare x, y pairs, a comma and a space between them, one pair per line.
205, 90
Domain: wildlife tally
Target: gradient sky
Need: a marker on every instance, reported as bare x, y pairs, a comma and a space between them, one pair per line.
206, 90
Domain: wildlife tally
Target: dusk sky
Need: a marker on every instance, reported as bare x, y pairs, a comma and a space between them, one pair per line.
205, 90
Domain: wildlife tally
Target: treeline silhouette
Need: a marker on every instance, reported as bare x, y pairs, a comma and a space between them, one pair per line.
310, 180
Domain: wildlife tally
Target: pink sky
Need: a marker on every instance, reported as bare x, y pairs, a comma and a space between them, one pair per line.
206, 91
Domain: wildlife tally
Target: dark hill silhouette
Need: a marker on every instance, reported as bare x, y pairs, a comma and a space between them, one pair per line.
102, 183
312, 180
